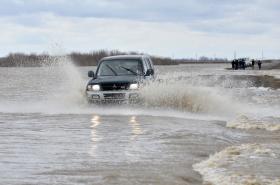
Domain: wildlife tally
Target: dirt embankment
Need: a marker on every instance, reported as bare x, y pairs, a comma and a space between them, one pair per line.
259, 81
271, 64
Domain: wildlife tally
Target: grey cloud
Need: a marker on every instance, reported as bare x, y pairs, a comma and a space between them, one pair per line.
220, 16
156, 10
230, 27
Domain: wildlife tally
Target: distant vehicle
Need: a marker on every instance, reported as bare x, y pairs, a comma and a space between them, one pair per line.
118, 78
246, 60
241, 63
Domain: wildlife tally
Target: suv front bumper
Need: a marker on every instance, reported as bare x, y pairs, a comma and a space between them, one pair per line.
112, 96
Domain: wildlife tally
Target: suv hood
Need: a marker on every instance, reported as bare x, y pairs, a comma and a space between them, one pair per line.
115, 79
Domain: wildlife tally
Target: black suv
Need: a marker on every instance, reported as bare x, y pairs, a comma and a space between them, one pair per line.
118, 78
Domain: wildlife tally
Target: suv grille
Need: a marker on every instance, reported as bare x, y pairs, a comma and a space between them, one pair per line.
114, 96
114, 86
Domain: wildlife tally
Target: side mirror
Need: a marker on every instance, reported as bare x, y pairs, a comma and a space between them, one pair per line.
149, 72
90, 74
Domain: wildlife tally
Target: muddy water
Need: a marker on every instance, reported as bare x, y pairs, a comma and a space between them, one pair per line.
197, 124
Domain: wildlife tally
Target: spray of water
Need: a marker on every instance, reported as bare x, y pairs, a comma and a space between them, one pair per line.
71, 87
183, 96
227, 167
59, 87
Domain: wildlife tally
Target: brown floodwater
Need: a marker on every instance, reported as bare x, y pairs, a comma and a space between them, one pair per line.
197, 124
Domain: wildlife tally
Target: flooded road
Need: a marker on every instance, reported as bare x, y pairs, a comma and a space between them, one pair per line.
198, 124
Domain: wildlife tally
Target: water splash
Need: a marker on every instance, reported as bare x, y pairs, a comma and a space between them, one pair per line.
243, 122
180, 95
71, 89
227, 167
59, 87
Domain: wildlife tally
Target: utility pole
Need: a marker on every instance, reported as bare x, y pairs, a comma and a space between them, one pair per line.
262, 55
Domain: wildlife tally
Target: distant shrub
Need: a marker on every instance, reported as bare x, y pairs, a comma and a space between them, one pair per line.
86, 59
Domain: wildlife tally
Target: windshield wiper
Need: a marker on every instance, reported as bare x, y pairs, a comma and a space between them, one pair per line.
115, 73
130, 70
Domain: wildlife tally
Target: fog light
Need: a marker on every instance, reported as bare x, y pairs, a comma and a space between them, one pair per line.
95, 96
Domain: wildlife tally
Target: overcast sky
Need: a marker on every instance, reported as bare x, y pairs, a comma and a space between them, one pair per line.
175, 28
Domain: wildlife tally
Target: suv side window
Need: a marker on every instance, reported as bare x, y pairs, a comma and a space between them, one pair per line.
150, 63
145, 64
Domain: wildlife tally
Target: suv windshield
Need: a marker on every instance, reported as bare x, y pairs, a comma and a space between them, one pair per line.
120, 67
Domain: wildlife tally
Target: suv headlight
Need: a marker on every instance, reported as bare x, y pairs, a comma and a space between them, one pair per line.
93, 87
133, 86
